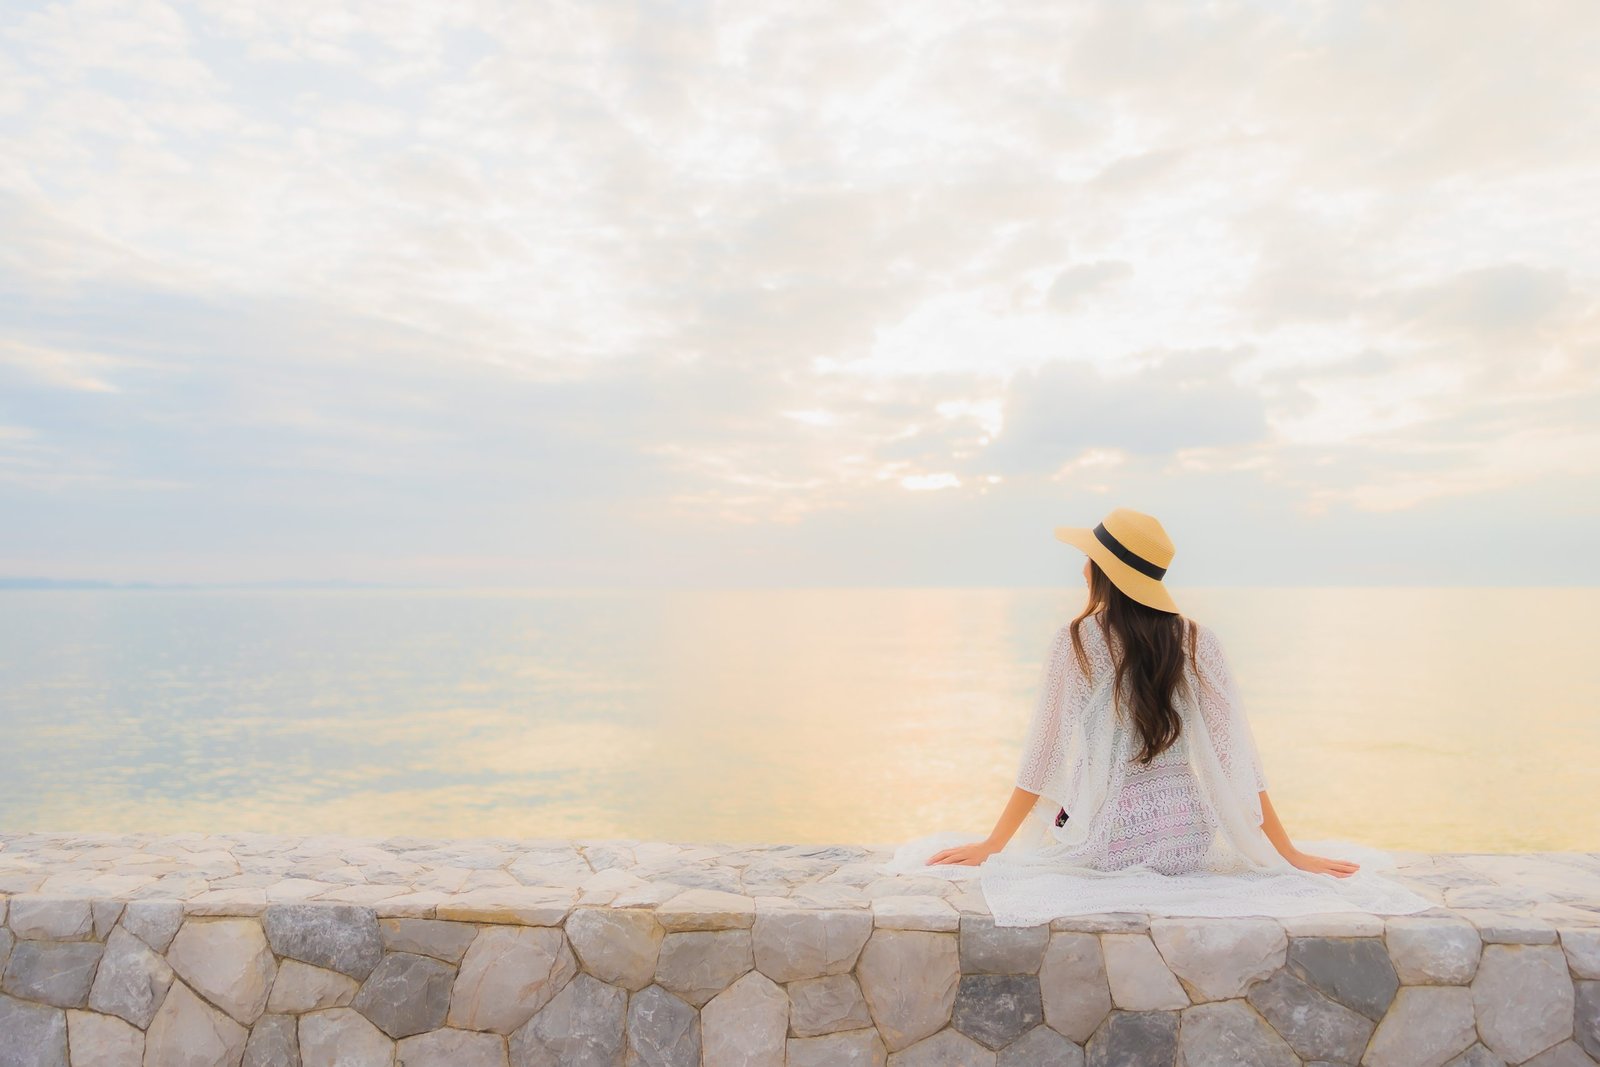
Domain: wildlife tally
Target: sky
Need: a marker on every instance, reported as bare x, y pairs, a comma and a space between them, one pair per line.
591, 294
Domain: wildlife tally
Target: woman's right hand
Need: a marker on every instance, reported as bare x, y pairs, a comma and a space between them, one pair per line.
1322, 864
963, 855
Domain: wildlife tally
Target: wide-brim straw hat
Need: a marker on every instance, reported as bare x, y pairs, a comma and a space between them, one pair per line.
1133, 550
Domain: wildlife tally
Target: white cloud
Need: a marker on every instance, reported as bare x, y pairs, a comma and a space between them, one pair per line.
559, 265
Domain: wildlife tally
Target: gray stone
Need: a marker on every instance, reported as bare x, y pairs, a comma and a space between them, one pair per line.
6, 941
1565, 1054
1523, 999
1586, 1017
582, 1026
697, 965
947, 1048
663, 1031
1476, 1056
826, 1005
990, 949
1217, 959
188, 1032
274, 1042
617, 945
1425, 1027
340, 937
35, 1035
1356, 971
406, 994
58, 973
854, 1048
909, 978
1073, 984
1139, 978
51, 919
1433, 950
1582, 946
155, 922
300, 988
131, 981
746, 1024
914, 912
706, 909
342, 1037
1502, 928
227, 962
95, 1040
1228, 1033
996, 1009
1038, 1047
1314, 1026
1127, 1038
796, 943
104, 914
452, 1048
441, 939
509, 973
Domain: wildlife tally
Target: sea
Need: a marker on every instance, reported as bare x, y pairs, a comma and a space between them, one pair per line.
1442, 719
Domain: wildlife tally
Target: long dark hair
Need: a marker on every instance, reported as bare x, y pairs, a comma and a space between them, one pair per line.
1150, 668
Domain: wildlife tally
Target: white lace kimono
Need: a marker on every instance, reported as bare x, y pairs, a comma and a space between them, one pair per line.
1181, 836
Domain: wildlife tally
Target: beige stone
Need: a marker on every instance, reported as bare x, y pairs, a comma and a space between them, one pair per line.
1074, 985
228, 962
914, 913
452, 1048
1140, 979
909, 978
96, 1040
792, 944
188, 1032
300, 988
342, 1037
1523, 998
1424, 1027
509, 973
1215, 958
1433, 951
617, 945
706, 909
746, 1025
698, 964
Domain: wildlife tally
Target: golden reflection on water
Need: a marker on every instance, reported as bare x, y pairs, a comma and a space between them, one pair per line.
1437, 719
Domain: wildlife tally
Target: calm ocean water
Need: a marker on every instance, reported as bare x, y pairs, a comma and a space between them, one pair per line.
1455, 719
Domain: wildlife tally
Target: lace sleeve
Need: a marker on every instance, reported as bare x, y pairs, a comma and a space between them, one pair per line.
1062, 691
1223, 712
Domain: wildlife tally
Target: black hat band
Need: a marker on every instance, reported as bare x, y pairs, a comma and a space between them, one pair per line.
1126, 555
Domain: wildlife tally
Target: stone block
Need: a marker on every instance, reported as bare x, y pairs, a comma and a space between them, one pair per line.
706, 909
442, 940
227, 961
300, 988
406, 994
746, 1025
1217, 959
910, 979
507, 974
1134, 1037
339, 937
452, 1048
990, 949
58, 973
1227, 1033
131, 980
1039, 1047
274, 1042
582, 1026
617, 945
663, 1031
996, 1009
342, 1037
188, 1032
95, 1040
1139, 978
698, 964
1074, 985
37, 918
1354, 971
155, 922
947, 1048
855, 1048
1523, 998
525, 905
791, 944
1424, 1027
1433, 951
827, 1005
896, 912
1315, 1026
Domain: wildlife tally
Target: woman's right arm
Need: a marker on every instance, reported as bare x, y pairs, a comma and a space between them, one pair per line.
1060, 694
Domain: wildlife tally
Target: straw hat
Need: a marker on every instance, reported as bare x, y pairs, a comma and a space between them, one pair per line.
1133, 550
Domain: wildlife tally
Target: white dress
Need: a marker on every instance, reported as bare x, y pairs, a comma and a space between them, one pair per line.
1181, 836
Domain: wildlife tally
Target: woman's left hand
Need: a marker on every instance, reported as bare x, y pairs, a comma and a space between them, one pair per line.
965, 855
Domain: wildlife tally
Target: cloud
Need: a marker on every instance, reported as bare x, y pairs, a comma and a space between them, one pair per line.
1076, 282
1174, 401
320, 288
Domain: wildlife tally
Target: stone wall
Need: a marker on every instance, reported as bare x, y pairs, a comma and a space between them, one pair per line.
194, 950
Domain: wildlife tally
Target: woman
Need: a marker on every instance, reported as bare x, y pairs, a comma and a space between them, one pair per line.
1140, 774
